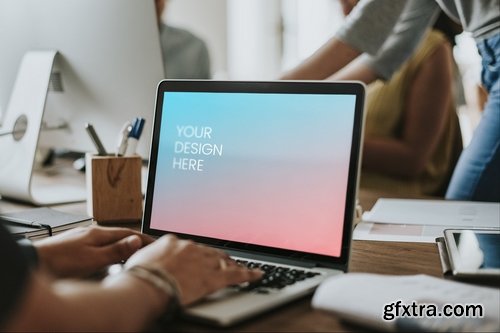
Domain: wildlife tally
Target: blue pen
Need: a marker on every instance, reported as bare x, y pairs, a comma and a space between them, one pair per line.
137, 127
134, 135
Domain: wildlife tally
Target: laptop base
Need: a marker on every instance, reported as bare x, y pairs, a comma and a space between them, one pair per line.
231, 305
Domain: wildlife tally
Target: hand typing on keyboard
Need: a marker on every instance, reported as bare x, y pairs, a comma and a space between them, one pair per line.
198, 270
275, 277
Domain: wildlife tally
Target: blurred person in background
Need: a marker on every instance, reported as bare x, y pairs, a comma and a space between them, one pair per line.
412, 135
185, 56
379, 36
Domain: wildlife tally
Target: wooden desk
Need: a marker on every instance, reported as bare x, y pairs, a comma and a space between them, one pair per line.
367, 256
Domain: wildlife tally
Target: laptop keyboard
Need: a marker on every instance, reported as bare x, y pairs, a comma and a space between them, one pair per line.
275, 277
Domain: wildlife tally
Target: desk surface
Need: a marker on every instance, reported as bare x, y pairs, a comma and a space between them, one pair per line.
367, 256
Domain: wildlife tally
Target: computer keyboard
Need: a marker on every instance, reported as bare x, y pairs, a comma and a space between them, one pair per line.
275, 277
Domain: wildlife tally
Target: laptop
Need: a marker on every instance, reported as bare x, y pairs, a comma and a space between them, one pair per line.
266, 171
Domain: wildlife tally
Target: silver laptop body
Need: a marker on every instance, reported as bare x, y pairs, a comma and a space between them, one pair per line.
266, 171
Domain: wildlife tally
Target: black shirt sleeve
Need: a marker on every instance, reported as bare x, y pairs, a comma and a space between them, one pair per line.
14, 274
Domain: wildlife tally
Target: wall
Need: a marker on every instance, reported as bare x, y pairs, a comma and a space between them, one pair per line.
244, 37
254, 39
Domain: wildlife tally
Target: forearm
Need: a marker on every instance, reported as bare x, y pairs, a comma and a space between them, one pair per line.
125, 303
330, 58
392, 157
357, 70
365, 30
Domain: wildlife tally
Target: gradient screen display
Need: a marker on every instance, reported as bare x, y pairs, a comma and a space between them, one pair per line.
264, 169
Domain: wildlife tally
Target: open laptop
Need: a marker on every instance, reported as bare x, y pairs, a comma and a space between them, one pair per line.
266, 171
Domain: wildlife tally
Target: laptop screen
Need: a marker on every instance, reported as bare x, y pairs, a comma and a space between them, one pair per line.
267, 169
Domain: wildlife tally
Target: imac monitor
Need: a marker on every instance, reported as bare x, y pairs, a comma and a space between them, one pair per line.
105, 71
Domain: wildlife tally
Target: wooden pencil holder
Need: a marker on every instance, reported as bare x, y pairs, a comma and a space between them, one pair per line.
114, 188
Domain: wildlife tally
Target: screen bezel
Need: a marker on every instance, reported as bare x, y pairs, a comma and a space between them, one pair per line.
271, 87
456, 259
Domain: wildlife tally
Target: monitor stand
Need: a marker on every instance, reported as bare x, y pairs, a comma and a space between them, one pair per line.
17, 159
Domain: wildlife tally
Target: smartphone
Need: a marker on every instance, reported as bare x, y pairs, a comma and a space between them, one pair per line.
474, 252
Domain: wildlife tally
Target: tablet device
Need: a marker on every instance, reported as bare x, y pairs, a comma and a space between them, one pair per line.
474, 252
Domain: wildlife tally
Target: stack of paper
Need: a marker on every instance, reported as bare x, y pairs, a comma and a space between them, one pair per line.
407, 220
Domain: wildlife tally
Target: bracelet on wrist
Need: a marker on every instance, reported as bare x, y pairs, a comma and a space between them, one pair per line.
161, 280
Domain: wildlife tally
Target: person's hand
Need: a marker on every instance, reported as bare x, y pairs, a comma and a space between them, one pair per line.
81, 252
199, 270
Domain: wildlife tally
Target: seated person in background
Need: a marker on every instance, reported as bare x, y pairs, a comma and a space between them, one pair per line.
412, 134
386, 33
185, 56
163, 274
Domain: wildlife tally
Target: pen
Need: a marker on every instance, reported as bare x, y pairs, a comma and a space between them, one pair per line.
134, 136
137, 126
122, 140
95, 139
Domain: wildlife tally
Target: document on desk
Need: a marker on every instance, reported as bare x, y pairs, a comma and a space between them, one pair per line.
385, 302
409, 220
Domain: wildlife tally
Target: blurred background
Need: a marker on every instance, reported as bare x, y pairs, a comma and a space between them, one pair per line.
259, 39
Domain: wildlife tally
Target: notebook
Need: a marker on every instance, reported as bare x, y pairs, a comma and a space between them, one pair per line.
410, 303
266, 171
46, 222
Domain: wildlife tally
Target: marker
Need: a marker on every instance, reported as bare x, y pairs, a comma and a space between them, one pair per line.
122, 140
95, 139
134, 136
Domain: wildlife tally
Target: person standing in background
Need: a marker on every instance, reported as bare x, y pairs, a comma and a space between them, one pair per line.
185, 56
412, 135
387, 32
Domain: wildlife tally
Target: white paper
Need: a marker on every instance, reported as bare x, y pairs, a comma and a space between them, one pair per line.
397, 232
422, 221
435, 212
361, 297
